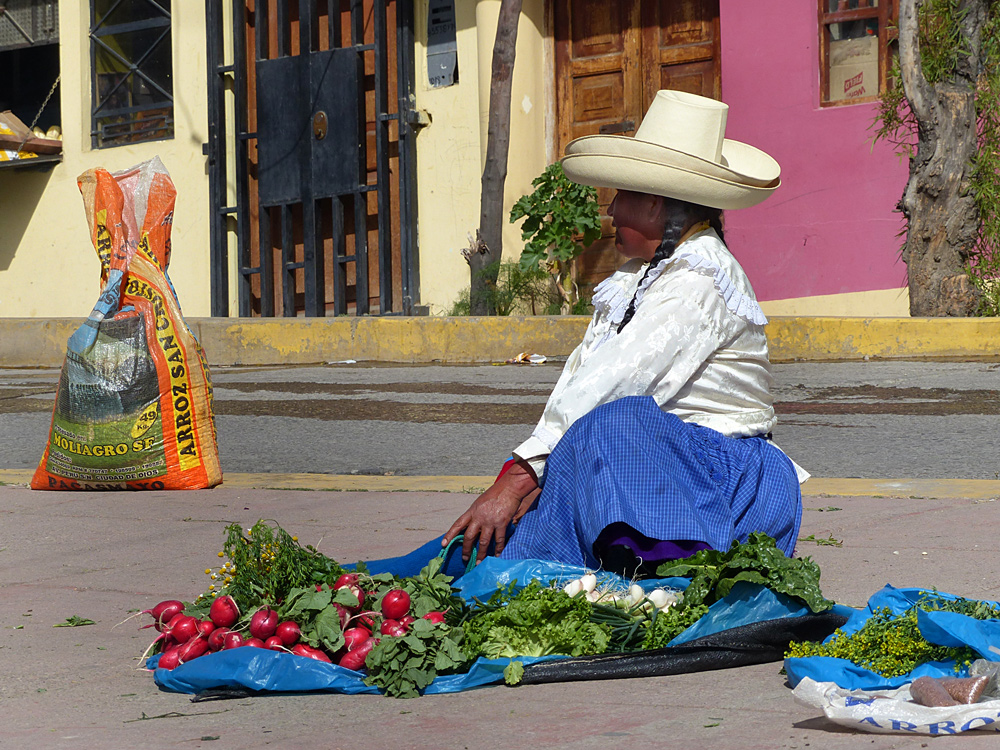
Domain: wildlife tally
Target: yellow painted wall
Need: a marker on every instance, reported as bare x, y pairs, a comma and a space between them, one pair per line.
47, 265
880, 303
452, 149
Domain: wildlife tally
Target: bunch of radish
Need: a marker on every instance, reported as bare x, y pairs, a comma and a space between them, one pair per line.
184, 637
392, 620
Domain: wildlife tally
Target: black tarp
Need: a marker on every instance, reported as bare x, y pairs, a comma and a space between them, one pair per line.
756, 643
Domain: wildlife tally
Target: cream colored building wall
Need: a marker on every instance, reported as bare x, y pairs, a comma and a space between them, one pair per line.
48, 267
452, 149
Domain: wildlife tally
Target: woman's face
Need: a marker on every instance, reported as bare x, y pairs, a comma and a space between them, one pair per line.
638, 219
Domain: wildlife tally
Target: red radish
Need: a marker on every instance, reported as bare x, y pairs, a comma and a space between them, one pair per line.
347, 579
353, 660
395, 604
274, 644
182, 628
356, 659
205, 628
367, 620
343, 613
232, 640
392, 628
302, 649
263, 623
407, 620
217, 639
163, 612
354, 637
435, 617
169, 659
253, 643
168, 643
192, 649
288, 632
224, 612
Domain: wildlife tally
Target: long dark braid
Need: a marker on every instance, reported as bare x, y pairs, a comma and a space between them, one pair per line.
688, 215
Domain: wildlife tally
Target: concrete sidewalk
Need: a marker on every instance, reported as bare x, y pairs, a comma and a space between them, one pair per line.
101, 555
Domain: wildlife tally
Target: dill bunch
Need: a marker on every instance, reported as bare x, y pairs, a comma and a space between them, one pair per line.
891, 644
266, 562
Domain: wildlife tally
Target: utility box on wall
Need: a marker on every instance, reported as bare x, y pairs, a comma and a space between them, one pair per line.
442, 48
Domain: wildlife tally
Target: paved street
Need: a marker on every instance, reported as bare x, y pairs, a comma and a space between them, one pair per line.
856, 419
101, 555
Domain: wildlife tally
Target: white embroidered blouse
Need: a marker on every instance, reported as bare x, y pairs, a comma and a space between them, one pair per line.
696, 344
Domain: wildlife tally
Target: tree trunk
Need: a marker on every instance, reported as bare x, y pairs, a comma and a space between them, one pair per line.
942, 217
488, 247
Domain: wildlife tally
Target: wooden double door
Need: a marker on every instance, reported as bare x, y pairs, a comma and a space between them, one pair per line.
611, 59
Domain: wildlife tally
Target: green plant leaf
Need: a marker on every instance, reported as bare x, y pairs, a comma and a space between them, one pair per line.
513, 673
74, 621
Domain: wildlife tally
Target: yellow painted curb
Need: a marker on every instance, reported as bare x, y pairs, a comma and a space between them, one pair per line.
359, 482
37, 342
795, 338
973, 489
15, 477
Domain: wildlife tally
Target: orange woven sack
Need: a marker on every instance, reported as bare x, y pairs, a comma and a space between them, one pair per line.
134, 405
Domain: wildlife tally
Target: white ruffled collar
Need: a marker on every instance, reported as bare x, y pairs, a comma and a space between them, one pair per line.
611, 297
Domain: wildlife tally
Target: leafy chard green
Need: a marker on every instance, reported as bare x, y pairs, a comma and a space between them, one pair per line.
513, 673
758, 561
537, 621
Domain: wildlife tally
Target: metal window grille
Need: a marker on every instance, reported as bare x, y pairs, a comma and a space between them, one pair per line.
27, 23
132, 72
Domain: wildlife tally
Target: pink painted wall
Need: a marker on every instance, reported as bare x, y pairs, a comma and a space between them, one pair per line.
830, 227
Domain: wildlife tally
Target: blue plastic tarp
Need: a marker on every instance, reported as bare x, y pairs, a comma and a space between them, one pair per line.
937, 627
275, 671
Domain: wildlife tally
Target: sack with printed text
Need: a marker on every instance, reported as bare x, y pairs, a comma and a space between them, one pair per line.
134, 404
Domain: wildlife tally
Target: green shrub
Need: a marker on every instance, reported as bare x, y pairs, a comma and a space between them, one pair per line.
558, 216
517, 291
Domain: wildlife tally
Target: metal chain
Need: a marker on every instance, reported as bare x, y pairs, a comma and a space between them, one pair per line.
39, 114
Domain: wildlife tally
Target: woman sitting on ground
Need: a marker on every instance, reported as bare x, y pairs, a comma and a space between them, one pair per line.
655, 442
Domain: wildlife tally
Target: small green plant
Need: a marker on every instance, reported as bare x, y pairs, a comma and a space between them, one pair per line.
561, 218
516, 291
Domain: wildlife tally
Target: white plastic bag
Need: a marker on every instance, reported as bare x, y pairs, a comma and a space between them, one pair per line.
891, 712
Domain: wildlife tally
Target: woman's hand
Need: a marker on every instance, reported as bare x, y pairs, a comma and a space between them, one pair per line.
489, 515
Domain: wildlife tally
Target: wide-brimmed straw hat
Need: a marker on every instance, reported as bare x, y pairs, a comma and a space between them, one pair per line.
679, 151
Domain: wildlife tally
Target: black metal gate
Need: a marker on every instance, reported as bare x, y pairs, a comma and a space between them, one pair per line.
313, 182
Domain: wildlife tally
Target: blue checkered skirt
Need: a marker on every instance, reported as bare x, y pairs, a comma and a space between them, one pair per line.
630, 462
